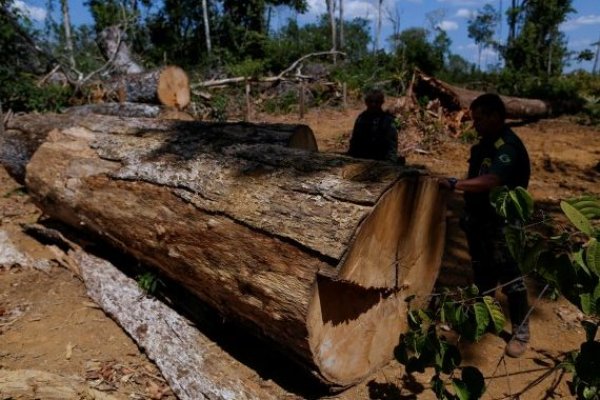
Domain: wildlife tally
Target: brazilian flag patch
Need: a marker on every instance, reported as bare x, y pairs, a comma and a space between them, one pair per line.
505, 158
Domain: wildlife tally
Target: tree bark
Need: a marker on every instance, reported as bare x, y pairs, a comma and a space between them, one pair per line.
454, 98
206, 26
315, 252
64, 4
331, 13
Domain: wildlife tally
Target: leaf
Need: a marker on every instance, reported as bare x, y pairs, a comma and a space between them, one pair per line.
592, 256
531, 257
498, 198
525, 200
451, 358
516, 206
496, 314
577, 218
514, 241
578, 259
587, 205
482, 319
475, 382
586, 303
461, 389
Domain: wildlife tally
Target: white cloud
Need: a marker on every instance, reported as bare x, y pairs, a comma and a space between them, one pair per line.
448, 26
317, 7
359, 9
352, 9
461, 2
33, 12
580, 21
465, 13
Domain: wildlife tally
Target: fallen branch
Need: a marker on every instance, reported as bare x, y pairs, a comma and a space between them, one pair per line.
279, 77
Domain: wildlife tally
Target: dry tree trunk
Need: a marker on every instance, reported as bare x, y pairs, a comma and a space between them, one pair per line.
454, 98
315, 252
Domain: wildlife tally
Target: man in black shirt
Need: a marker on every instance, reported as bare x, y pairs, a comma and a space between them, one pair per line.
499, 159
374, 135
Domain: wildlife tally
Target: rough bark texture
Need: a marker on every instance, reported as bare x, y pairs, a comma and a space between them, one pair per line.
316, 252
454, 98
190, 362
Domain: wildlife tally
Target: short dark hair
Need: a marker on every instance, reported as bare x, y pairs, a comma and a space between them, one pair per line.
489, 103
375, 96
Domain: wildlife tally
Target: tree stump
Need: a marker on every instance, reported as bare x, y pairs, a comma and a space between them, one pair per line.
315, 252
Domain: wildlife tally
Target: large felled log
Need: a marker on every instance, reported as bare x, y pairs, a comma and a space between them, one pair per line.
26, 133
316, 252
455, 98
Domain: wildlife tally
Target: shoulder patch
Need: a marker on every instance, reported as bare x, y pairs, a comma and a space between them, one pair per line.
504, 158
499, 143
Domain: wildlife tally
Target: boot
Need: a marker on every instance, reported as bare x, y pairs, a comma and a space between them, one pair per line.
518, 308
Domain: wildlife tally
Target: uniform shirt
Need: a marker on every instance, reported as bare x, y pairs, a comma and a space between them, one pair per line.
506, 157
374, 136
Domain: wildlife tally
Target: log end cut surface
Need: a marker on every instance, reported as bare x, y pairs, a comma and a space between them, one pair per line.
174, 87
355, 319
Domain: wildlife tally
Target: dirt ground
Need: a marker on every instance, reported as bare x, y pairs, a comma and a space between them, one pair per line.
49, 326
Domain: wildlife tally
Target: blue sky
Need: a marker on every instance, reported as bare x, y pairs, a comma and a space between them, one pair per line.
582, 28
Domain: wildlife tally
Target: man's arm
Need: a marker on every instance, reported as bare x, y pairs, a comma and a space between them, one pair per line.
482, 183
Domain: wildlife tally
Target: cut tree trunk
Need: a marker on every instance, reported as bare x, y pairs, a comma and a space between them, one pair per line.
169, 86
454, 98
316, 252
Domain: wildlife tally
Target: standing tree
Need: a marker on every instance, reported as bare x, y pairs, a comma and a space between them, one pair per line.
64, 4
206, 26
341, 47
481, 29
414, 50
331, 14
539, 48
379, 20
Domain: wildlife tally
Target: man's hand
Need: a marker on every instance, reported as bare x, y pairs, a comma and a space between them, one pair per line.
448, 183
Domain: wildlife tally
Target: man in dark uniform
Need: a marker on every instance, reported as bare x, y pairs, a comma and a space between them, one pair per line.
500, 158
374, 135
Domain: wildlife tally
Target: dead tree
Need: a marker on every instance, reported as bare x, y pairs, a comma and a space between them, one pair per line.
314, 252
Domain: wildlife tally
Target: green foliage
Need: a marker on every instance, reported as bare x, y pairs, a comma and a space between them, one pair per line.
470, 315
148, 282
282, 104
220, 107
539, 48
248, 68
482, 28
20, 92
414, 50
570, 262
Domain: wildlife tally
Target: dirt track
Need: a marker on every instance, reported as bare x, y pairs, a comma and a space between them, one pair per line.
47, 323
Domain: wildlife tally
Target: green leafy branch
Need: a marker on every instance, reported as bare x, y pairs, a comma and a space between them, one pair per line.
470, 315
570, 261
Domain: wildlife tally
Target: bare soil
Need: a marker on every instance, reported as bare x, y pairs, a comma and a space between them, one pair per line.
48, 324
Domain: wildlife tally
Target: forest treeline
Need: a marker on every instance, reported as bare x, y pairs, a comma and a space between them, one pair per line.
215, 39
